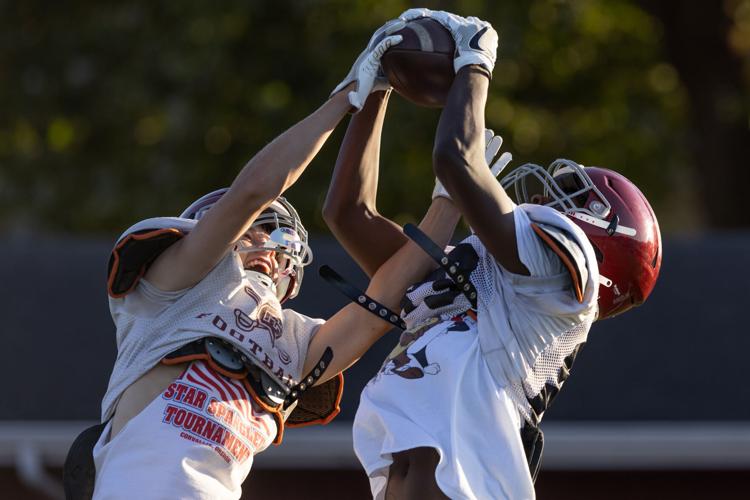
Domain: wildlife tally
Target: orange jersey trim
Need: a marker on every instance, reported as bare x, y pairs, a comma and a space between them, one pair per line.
117, 258
572, 269
334, 412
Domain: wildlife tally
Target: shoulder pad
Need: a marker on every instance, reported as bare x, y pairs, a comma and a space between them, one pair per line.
138, 247
570, 253
319, 404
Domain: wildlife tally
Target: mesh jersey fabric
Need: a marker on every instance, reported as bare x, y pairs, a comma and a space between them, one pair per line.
434, 390
450, 389
521, 316
227, 303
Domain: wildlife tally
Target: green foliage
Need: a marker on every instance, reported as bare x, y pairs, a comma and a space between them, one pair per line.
116, 111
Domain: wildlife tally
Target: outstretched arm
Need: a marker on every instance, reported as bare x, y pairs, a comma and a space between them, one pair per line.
268, 174
458, 157
350, 208
459, 163
352, 330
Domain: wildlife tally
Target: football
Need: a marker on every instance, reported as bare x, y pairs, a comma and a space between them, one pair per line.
420, 68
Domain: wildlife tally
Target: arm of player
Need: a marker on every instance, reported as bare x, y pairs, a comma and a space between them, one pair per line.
350, 207
460, 165
353, 330
266, 176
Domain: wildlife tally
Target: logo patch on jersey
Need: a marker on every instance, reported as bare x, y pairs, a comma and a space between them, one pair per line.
409, 358
254, 348
212, 410
476, 41
268, 319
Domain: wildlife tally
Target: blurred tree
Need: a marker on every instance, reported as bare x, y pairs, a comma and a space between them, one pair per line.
709, 45
116, 111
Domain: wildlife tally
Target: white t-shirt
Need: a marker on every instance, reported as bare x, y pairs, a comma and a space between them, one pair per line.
155, 455
228, 303
195, 441
442, 388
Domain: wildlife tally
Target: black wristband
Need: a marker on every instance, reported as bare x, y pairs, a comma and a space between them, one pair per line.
360, 298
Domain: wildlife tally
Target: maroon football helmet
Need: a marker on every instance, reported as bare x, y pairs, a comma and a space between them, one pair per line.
616, 218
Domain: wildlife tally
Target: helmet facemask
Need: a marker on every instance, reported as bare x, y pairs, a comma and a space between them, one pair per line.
287, 237
566, 187
564, 183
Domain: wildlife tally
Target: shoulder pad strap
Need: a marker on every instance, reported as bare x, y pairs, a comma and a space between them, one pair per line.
569, 252
360, 298
132, 256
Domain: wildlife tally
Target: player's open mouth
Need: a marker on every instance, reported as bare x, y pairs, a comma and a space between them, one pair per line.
261, 265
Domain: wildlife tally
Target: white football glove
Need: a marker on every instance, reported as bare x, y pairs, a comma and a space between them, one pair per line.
366, 70
476, 40
492, 145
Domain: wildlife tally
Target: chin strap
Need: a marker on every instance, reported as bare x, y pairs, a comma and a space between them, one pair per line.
263, 279
613, 226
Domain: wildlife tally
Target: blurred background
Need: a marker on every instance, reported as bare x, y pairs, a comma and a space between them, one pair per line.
111, 112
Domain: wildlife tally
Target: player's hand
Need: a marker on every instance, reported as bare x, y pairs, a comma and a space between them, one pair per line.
366, 72
476, 40
492, 144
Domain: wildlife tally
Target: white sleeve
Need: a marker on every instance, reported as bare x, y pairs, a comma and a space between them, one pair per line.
302, 328
537, 256
148, 301
523, 315
548, 290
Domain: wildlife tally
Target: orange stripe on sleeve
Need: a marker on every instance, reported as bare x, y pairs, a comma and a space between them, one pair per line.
572, 269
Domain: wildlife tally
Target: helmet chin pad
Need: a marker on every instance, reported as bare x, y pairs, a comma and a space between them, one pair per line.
261, 278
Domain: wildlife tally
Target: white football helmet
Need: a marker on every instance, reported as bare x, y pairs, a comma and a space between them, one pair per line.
287, 237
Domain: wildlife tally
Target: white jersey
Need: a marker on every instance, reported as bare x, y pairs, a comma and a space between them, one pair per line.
195, 441
451, 383
198, 438
228, 303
